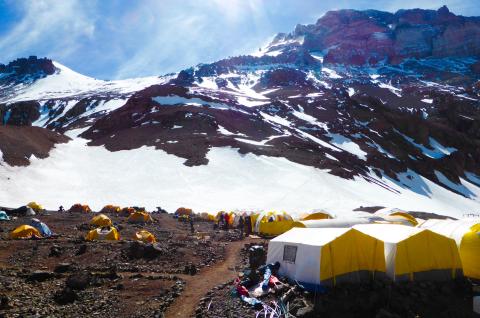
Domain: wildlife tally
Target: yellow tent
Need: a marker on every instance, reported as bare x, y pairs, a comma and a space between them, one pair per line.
108, 233
79, 208
145, 236
396, 216
319, 215
127, 211
466, 234
110, 209
183, 211
25, 232
207, 216
326, 256
139, 217
35, 206
271, 223
413, 253
101, 220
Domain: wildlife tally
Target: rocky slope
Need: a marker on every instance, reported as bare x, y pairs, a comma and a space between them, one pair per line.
392, 99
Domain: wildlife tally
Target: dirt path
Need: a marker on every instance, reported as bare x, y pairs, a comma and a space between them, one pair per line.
197, 286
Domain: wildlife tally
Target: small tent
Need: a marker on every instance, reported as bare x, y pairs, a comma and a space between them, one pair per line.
415, 254
326, 256
110, 209
41, 227
272, 223
139, 217
466, 234
80, 208
144, 236
4, 216
183, 211
35, 206
25, 232
101, 220
108, 233
22, 211
397, 216
207, 217
316, 215
127, 211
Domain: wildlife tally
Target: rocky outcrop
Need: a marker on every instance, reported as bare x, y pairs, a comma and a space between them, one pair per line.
25, 70
20, 113
18, 143
369, 37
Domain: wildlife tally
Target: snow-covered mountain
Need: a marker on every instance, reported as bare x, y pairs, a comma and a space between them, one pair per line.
363, 108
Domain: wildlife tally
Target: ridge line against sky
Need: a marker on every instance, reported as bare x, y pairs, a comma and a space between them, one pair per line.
115, 39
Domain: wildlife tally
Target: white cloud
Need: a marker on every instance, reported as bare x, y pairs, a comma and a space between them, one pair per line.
49, 26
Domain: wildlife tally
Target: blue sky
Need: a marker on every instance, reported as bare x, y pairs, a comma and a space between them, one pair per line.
113, 39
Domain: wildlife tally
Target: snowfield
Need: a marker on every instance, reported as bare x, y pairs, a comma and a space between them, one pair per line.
66, 83
75, 172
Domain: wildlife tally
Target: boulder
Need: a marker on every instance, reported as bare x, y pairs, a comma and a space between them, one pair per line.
79, 281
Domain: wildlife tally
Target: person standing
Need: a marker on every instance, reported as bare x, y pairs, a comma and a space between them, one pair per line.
227, 220
241, 225
192, 229
248, 225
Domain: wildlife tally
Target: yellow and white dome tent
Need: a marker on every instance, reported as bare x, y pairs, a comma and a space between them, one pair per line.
145, 236
466, 234
316, 215
108, 233
101, 220
271, 223
35, 206
139, 217
397, 216
110, 208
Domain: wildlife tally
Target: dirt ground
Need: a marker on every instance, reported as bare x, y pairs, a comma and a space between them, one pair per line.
34, 273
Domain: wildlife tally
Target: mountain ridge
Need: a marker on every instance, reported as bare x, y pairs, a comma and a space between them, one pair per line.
406, 125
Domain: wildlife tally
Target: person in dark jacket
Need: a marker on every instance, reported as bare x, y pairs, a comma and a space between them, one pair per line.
248, 225
241, 225
192, 228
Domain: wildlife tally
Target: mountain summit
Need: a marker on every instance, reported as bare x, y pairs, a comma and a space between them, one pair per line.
371, 37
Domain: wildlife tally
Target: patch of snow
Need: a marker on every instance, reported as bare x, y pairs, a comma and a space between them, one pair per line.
460, 188
329, 156
351, 91
348, 145
276, 119
438, 151
174, 100
394, 90
331, 73
427, 100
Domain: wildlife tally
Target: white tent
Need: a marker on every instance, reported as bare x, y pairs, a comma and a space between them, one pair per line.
326, 256
414, 253
466, 233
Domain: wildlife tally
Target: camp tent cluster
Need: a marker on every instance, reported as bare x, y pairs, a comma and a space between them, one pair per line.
327, 256
105, 230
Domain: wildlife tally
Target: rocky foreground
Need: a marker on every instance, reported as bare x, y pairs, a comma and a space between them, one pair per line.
181, 275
